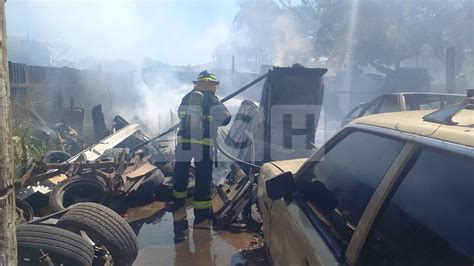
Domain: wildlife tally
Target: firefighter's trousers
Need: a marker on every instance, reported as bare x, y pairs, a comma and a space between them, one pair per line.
202, 155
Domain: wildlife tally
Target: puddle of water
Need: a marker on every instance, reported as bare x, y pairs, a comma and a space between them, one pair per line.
202, 245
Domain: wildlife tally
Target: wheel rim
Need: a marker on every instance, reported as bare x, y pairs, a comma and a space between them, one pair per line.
99, 248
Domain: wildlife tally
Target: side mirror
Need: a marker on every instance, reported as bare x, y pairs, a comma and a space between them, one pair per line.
280, 186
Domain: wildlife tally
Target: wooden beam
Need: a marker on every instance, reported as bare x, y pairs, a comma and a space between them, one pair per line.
8, 252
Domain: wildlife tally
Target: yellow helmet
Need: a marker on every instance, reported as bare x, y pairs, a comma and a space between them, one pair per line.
206, 76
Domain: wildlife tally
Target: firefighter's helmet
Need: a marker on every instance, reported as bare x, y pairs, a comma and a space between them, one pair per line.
206, 76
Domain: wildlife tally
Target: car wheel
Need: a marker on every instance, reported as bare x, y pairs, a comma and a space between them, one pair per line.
105, 228
56, 157
77, 189
24, 211
61, 246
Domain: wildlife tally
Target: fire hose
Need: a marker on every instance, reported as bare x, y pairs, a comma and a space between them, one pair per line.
226, 154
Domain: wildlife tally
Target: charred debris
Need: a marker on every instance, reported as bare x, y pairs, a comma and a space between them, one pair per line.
124, 167
87, 184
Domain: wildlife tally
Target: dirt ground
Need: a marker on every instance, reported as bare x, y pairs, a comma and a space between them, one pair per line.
157, 230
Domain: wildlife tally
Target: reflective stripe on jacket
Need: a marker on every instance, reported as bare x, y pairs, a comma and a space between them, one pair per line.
203, 141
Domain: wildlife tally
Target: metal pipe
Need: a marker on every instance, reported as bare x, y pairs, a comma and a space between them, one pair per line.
232, 95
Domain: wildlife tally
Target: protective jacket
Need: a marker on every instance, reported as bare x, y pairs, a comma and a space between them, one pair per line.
215, 114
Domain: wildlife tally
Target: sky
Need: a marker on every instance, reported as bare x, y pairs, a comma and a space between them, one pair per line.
173, 31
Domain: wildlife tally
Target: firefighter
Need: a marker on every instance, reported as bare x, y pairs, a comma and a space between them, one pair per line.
201, 113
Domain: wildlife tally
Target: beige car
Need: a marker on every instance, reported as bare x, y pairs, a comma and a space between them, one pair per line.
388, 189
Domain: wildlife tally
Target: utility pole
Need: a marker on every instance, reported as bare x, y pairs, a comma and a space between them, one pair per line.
450, 70
8, 252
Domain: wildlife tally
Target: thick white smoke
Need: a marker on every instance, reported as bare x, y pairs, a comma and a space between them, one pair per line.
265, 34
159, 101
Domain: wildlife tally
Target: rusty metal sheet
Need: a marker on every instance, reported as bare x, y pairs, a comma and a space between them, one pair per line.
141, 170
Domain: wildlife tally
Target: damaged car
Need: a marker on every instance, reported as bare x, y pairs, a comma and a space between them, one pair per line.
373, 194
399, 102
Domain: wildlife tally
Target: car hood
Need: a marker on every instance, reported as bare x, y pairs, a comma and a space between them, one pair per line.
289, 165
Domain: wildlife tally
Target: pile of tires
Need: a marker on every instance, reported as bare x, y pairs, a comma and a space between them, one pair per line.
105, 229
87, 234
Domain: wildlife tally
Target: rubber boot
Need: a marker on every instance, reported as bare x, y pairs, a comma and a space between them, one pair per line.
176, 205
180, 228
201, 215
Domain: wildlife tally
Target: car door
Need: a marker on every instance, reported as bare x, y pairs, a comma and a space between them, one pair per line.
315, 224
428, 219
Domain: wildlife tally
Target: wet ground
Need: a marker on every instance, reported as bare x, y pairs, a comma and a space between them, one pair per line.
157, 230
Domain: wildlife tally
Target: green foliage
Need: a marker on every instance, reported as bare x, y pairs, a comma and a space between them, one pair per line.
376, 32
23, 143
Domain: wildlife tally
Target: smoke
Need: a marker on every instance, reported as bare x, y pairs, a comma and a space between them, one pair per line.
290, 45
105, 30
120, 36
159, 101
265, 34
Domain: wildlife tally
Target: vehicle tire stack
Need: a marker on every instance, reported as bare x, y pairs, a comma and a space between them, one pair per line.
105, 228
87, 234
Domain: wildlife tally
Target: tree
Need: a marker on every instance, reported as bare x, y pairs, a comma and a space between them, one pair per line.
7, 192
383, 33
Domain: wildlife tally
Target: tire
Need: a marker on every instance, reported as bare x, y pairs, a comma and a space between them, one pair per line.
56, 157
104, 227
114, 155
79, 188
62, 246
24, 211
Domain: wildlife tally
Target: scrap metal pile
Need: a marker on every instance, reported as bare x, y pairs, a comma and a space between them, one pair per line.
126, 168
62, 195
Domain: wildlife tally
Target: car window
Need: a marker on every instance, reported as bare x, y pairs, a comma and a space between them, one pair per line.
429, 220
342, 182
371, 107
390, 103
355, 112
429, 102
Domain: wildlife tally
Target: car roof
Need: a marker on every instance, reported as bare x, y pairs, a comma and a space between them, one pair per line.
412, 122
